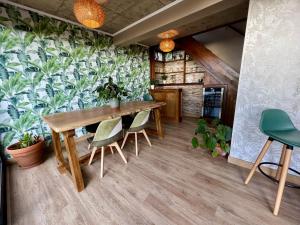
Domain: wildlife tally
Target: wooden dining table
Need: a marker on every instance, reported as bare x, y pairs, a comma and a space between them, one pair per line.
67, 122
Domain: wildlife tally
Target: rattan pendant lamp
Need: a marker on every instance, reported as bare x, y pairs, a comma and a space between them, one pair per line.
89, 13
167, 44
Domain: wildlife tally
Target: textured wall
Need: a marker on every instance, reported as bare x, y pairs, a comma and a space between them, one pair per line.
270, 75
48, 66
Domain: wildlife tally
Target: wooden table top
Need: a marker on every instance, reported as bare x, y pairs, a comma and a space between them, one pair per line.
65, 121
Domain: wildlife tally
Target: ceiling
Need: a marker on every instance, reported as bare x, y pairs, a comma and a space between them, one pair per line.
140, 21
119, 13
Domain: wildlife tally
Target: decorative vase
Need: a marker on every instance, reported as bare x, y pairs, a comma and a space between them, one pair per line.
152, 87
27, 157
114, 103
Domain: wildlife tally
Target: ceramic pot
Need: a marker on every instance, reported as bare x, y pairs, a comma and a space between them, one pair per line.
27, 157
114, 103
164, 81
152, 87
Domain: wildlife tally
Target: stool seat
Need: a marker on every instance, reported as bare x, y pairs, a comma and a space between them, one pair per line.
276, 124
288, 137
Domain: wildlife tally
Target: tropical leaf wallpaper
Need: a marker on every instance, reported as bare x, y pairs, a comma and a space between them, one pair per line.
49, 66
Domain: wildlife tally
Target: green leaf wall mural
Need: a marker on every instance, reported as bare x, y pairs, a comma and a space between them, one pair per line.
49, 66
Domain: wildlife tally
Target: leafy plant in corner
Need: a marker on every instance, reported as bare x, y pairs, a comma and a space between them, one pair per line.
215, 138
27, 140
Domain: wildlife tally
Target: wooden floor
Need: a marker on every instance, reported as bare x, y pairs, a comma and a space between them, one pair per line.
169, 183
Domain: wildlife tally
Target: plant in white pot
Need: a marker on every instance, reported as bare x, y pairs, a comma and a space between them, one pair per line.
164, 78
153, 83
111, 92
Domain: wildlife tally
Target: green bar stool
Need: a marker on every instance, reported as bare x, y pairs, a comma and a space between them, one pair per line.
277, 125
107, 134
138, 126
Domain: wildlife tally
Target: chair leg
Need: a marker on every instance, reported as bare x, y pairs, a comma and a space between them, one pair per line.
146, 136
102, 161
278, 173
126, 136
136, 145
92, 155
111, 149
285, 167
119, 151
258, 160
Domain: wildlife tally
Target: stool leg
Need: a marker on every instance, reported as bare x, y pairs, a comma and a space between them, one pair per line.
278, 173
259, 158
285, 167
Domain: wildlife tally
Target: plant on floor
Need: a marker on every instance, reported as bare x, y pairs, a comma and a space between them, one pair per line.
111, 92
28, 151
215, 138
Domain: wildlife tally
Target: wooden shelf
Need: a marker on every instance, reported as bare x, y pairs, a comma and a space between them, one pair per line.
180, 84
169, 72
176, 60
194, 72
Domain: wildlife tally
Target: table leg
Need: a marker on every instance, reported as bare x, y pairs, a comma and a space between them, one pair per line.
159, 127
73, 159
58, 152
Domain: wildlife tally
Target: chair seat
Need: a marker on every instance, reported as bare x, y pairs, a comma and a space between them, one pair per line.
288, 137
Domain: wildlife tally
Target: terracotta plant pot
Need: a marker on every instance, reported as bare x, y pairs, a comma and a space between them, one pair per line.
220, 151
27, 157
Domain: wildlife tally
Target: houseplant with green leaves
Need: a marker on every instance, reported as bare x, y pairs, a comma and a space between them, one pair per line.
28, 151
215, 138
164, 78
111, 92
153, 82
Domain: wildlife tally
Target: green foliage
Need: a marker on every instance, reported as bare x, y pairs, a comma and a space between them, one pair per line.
164, 77
218, 135
27, 140
154, 82
111, 90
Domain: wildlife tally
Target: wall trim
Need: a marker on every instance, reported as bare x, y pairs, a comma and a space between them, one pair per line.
272, 172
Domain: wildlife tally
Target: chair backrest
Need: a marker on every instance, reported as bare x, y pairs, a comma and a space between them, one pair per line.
108, 128
275, 120
147, 97
140, 119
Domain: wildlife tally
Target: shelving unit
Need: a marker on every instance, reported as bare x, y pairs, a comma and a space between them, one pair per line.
178, 67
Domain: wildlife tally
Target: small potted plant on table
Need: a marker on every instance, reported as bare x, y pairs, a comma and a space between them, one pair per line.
28, 152
111, 92
215, 138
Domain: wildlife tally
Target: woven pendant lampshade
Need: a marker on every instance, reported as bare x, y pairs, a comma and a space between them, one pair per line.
89, 13
167, 45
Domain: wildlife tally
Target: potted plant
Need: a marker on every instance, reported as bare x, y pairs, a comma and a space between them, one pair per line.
28, 152
215, 138
153, 83
164, 78
111, 92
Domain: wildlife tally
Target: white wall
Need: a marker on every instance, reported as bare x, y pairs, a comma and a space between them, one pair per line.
269, 77
225, 43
